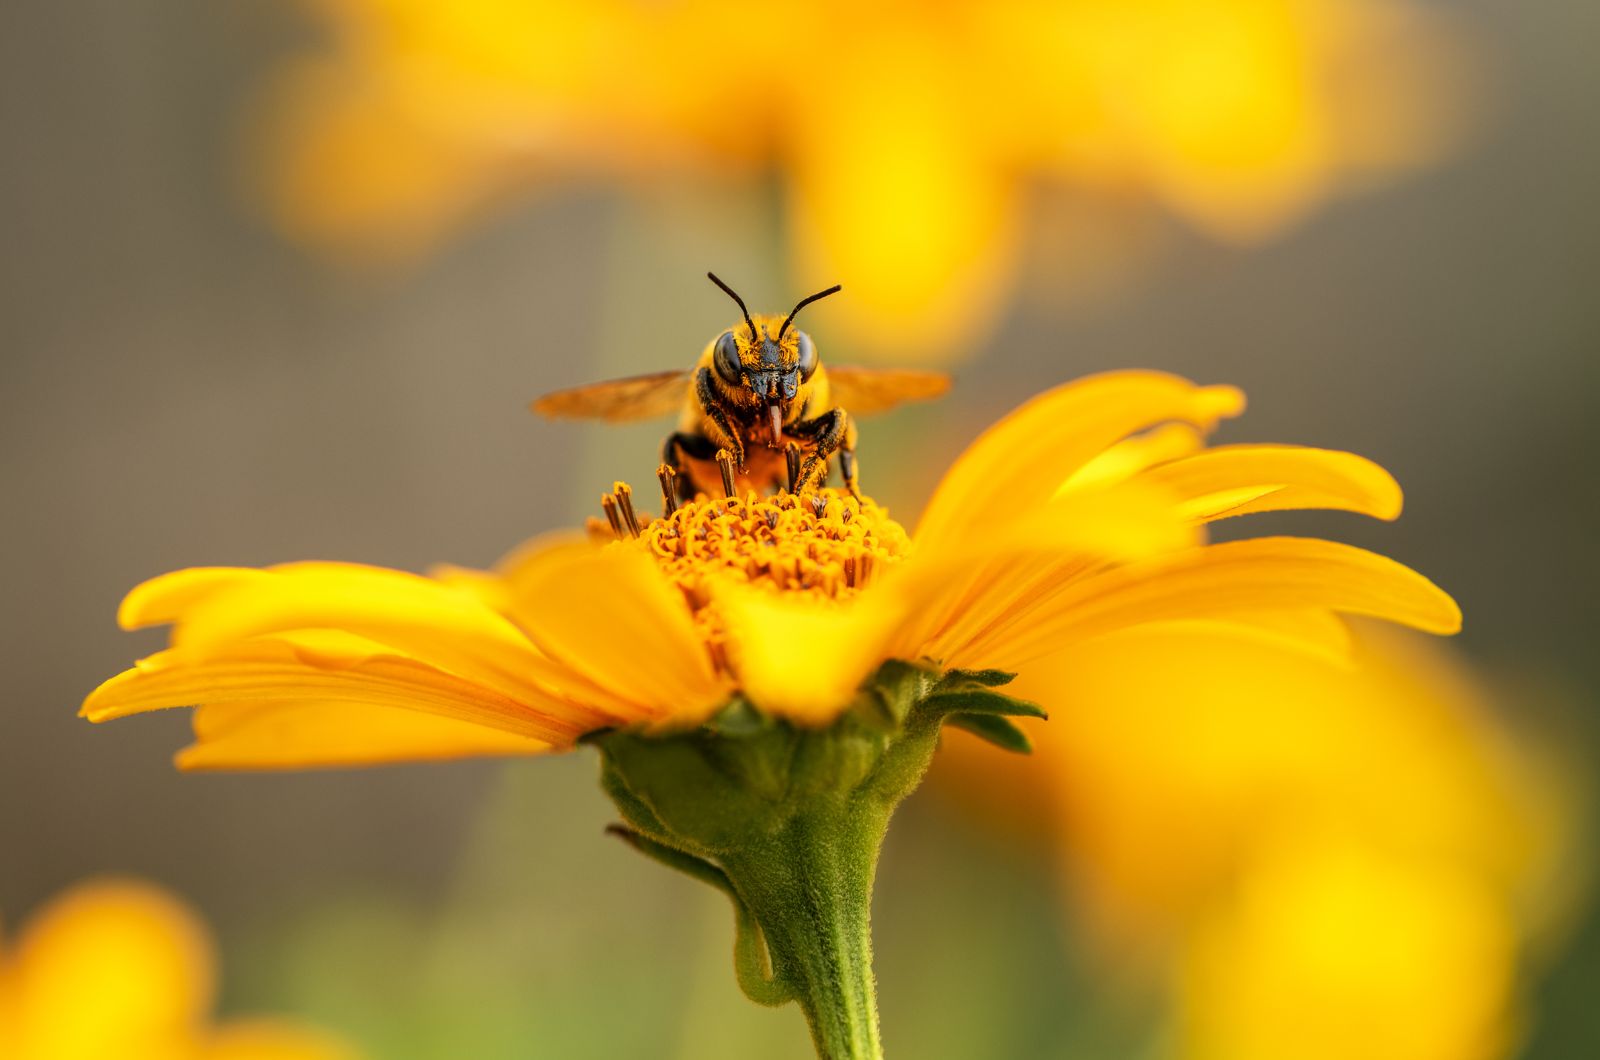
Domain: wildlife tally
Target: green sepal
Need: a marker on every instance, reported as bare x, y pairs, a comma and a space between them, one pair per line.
686, 863
982, 701
895, 688
752, 964
994, 728
986, 678
739, 718
876, 710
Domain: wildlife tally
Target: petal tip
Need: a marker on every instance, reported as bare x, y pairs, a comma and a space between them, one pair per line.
1389, 500
1451, 619
1223, 401
99, 705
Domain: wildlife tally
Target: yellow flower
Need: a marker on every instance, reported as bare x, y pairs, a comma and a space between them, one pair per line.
1327, 854
909, 138
1078, 515
119, 969
1339, 948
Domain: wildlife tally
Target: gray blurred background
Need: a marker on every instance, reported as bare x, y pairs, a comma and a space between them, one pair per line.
179, 388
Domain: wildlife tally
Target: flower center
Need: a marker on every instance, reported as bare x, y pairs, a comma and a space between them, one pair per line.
824, 542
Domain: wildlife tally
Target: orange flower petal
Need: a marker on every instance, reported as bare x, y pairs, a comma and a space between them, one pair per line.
301, 734
1263, 574
1132, 455
275, 670
1240, 479
1320, 633
800, 657
164, 599
447, 628
612, 616
961, 591
1025, 458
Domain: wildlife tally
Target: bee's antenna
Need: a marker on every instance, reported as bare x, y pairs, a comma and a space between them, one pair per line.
755, 336
835, 289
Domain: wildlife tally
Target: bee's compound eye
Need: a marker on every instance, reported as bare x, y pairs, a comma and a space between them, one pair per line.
726, 358
808, 357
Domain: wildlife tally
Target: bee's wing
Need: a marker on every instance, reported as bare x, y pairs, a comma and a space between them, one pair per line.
639, 397
863, 391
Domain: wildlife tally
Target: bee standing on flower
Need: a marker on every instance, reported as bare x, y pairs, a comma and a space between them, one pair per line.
759, 410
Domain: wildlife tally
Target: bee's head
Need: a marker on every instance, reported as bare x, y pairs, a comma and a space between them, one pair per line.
764, 363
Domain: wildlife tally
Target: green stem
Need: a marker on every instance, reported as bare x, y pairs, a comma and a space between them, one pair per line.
810, 889
788, 822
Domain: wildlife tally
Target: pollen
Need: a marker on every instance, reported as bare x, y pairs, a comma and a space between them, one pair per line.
824, 542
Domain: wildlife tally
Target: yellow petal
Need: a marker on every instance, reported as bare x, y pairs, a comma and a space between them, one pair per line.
961, 590
612, 616
303, 734
164, 599
800, 657
1026, 457
275, 670
487, 586
447, 628
497, 588
1127, 521
1322, 634
1132, 455
112, 968
1263, 574
1240, 479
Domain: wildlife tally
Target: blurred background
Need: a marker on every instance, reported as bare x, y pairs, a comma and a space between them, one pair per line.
279, 279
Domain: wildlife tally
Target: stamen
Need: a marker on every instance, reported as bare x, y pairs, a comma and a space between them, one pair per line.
791, 457
725, 464
669, 491
624, 494
609, 504
819, 504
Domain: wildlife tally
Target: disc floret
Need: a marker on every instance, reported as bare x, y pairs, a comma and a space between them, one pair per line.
824, 542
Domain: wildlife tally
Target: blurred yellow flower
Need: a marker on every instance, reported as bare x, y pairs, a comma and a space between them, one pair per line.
119, 970
909, 138
1080, 514
1339, 949
1330, 855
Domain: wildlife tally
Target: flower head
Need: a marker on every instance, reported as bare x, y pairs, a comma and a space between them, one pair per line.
1080, 514
911, 165
1314, 854
120, 969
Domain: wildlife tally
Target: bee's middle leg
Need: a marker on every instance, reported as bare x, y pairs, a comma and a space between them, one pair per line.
825, 433
849, 469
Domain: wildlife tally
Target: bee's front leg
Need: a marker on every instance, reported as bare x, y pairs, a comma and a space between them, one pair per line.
717, 413
825, 433
681, 444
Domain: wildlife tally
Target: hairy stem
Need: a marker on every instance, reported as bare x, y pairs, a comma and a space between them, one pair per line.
810, 890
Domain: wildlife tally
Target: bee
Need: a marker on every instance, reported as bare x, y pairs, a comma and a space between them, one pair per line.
758, 409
